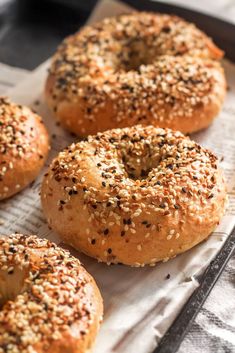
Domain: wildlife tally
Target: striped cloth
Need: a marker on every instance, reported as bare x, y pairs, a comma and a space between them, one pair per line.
213, 331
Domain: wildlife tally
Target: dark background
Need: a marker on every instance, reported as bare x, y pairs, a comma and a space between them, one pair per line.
30, 30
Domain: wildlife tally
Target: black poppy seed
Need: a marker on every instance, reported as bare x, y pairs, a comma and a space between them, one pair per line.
157, 183
166, 29
123, 137
12, 249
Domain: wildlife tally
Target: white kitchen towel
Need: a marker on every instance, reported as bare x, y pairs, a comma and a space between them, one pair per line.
213, 331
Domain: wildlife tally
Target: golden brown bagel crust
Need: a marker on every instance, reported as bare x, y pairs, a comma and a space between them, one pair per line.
24, 146
137, 68
56, 306
135, 195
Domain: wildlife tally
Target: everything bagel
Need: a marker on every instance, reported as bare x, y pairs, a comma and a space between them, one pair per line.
139, 68
48, 302
24, 146
134, 196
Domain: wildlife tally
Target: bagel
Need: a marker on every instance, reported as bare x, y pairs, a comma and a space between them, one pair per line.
24, 146
139, 68
49, 303
135, 196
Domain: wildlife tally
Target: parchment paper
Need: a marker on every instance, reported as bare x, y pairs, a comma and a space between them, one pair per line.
140, 303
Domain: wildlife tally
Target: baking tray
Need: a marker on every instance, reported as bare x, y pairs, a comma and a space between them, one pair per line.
29, 33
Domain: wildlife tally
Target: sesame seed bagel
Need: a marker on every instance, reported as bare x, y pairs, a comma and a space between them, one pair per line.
24, 145
143, 68
48, 302
135, 195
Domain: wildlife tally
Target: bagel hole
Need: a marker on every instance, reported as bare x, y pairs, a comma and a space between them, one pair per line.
133, 56
134, 64
138, 168
11, 284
